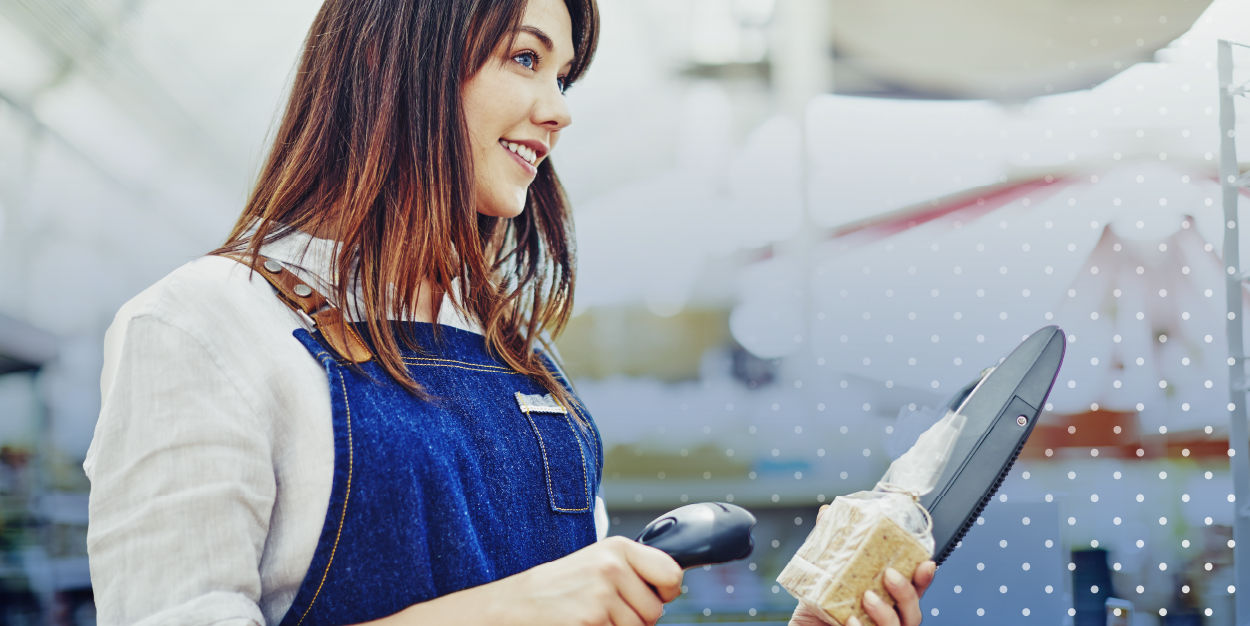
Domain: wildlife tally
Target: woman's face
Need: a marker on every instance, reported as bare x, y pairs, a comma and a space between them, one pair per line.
514, 107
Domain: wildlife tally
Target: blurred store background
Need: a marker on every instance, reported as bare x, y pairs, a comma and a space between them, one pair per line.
802, 225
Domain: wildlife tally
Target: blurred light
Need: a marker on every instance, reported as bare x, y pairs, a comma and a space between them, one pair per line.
27, 67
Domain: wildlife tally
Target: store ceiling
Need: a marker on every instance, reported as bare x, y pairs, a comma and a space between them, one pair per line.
998, 49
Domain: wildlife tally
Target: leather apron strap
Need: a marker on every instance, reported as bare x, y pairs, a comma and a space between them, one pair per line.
302, 298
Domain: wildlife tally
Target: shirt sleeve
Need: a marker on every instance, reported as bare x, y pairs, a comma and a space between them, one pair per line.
182, 483
601, 519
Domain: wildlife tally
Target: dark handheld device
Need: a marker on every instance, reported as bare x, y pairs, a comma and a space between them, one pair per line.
702, 534
1001, 408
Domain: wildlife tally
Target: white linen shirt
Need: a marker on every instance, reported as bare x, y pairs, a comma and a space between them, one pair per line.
213, 456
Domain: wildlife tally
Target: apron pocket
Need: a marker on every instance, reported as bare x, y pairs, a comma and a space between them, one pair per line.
564, 462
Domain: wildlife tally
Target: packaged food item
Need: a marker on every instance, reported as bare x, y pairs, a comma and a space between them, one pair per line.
863, 533
846, 555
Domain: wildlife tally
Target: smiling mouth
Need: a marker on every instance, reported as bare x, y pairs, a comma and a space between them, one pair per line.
526, 153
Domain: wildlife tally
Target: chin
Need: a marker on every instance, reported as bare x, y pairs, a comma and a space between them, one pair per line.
501, 212
509, 209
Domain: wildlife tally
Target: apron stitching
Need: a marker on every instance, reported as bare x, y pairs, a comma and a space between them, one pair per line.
585, 479
346, 497
462, 367
547, 468
415, 358
592, 435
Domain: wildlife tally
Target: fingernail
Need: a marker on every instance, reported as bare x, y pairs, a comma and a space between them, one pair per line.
871, 597
854, 621
894, 577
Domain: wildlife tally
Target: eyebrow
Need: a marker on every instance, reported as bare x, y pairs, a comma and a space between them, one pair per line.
542, 38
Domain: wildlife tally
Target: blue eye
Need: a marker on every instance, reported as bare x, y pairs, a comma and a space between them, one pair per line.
527, 59
530, 60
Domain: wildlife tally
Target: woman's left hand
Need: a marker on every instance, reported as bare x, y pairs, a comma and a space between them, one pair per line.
906, 596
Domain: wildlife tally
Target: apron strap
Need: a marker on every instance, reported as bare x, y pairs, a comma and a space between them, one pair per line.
303, 299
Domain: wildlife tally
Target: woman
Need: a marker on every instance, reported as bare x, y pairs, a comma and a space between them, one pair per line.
347, 413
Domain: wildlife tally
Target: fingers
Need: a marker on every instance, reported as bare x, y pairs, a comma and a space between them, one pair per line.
924, 576
655, 568
625, 613
879, 610
906, 596
628, 599
641, 602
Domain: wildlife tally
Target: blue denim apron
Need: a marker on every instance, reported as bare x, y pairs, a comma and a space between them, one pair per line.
429, 498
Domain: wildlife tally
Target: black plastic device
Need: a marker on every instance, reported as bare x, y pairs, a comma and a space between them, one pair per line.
1001, 408
702, 534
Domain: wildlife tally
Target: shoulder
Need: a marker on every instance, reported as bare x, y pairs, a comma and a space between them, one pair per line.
220, 303
222, 315
204, 293
210, 329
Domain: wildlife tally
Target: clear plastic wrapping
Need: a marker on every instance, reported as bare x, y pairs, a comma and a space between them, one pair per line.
863, 533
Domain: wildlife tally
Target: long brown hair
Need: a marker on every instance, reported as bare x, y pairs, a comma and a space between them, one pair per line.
373, 148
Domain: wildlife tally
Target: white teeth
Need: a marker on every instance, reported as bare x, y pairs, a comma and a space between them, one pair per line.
524, 152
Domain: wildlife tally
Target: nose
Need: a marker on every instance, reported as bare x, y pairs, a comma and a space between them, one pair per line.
552, 110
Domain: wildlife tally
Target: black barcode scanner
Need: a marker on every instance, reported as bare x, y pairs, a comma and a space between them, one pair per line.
702, 534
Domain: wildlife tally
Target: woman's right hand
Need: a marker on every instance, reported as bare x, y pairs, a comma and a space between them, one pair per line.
614, 582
